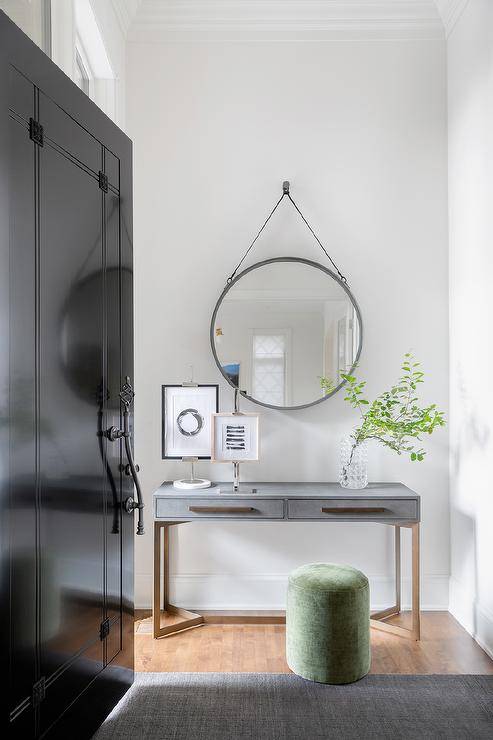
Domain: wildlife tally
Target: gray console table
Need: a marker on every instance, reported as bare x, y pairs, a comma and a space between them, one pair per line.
392, 504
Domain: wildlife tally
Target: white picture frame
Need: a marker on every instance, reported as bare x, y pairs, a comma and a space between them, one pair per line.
235, 437
188, 434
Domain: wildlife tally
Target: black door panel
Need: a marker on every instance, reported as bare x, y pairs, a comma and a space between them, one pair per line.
22, 425
71, 469
66, 546
68, 135
21, 95
112, 169
113, 451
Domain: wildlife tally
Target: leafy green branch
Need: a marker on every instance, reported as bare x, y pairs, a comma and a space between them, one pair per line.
328, 385
395, 418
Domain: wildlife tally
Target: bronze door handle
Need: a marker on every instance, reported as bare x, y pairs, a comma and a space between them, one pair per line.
353, 510
113, 434
221, 509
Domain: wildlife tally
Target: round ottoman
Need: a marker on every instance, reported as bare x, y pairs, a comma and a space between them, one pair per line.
328, 623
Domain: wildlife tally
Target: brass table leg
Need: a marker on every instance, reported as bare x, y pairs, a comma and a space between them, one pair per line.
377, 618
398, 577
190, 619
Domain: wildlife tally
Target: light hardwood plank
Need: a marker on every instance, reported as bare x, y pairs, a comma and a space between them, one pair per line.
445, 647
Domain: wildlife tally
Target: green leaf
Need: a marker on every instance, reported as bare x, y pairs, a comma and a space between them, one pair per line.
395, 417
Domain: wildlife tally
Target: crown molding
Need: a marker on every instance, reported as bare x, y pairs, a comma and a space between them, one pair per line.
125, 11
290, 20
450, 12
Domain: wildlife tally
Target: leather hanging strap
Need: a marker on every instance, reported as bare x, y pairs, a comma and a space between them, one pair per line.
287, 194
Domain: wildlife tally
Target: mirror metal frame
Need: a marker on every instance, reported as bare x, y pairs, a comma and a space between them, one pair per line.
273, 260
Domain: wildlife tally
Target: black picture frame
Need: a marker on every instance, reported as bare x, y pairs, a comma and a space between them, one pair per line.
163, 417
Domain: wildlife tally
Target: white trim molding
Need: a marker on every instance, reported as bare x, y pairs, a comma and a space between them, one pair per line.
476, 618
268, 591
450, 12
282, 20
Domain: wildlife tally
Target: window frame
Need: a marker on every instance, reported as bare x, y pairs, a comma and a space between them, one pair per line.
82, 65
273, 331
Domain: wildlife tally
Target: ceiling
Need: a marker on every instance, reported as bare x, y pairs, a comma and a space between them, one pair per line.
158, 20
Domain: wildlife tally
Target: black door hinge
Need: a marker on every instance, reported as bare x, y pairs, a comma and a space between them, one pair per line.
39, 691
103, 182
36, 132
104, 629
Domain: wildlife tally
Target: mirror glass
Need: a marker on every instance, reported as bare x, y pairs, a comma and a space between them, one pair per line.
280, 326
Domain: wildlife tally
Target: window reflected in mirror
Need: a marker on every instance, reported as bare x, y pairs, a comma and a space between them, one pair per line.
270, 356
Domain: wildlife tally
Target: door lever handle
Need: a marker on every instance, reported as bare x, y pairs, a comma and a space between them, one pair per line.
113, 433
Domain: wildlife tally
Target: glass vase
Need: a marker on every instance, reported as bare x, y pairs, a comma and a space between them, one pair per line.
354, 464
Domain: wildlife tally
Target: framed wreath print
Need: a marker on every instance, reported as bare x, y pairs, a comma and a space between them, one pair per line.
187, 419
235, 437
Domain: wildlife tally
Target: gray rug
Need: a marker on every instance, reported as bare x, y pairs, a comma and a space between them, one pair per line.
266, 706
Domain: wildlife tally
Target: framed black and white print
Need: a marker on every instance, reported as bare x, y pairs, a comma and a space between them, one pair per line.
235, 437
187, 419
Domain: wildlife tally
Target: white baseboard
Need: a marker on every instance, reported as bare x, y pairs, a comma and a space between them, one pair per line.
268, 591
472, 615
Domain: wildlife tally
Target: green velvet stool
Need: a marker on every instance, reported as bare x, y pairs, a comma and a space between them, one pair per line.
328, 623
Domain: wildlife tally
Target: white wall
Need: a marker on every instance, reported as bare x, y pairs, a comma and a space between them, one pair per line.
470, 89
359, 127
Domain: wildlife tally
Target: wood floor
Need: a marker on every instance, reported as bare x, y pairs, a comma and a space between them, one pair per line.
445, 647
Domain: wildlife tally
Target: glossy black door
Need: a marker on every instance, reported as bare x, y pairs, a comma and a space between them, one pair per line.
66, 277
111, 407
18, 407
71, 389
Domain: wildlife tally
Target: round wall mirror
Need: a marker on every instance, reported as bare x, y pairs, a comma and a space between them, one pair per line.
280, 326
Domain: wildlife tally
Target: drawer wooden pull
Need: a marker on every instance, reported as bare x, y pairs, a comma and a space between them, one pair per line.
221, 509
353, 510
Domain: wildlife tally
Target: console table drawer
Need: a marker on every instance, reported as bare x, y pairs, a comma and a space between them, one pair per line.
366, 509
219, 508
